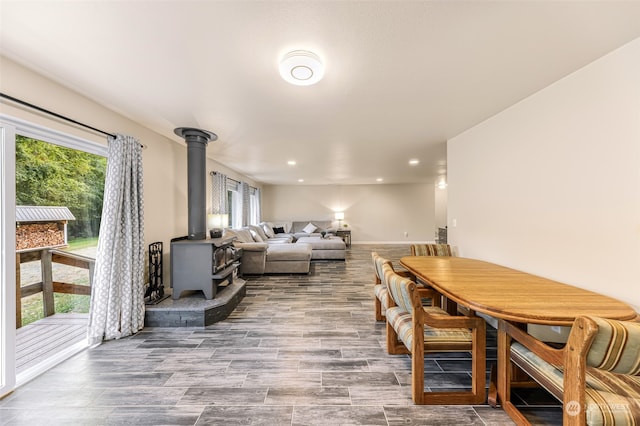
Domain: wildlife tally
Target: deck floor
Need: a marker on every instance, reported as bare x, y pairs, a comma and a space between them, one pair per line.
47, 337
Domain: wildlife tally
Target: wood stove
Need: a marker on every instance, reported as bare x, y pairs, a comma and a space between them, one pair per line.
202, 265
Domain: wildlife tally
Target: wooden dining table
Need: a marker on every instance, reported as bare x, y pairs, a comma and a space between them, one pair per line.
514, 296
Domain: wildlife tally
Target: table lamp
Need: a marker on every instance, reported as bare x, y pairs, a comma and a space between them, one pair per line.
216, 222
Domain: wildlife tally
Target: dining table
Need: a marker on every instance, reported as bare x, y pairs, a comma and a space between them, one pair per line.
507, 294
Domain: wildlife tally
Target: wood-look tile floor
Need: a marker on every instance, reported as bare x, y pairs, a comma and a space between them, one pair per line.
298, 350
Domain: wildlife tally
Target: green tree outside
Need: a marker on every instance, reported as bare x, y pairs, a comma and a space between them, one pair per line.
51, 175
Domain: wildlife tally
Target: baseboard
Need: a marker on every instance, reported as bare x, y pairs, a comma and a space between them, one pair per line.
393, 242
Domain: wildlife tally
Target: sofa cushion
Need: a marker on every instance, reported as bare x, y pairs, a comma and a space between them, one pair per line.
281, 239
288, 252
244, 236
268, 230
258, 229
318, 243
310, 228
240, 237
256, 237
321, 225
284, 225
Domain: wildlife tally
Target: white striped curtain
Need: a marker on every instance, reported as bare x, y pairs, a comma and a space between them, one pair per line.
117, 296
246, 203
256, 202
219, 204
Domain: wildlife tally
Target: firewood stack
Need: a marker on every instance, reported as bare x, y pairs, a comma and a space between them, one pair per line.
36, 235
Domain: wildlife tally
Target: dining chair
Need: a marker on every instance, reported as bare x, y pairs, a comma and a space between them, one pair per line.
431, 250
379, 289
415, 329
596, 375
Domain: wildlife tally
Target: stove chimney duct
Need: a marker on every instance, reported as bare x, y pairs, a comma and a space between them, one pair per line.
197, 141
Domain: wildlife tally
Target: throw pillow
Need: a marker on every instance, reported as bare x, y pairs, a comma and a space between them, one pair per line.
260, 231
256, 236
310, 228
278, 230
268, 230
244, 236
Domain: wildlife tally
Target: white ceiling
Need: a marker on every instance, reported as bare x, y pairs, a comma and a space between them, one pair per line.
401, 76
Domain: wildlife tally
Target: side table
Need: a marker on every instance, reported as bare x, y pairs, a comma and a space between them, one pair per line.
345, 234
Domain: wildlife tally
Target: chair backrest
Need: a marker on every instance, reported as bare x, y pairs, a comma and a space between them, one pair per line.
400, 288
431, 250
615, 346
378, 261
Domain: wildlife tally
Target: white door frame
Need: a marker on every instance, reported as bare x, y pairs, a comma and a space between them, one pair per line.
8, 259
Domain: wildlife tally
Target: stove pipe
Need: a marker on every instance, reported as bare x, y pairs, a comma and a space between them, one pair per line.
197, 141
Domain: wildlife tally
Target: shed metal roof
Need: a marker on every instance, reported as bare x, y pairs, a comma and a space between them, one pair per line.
43, 213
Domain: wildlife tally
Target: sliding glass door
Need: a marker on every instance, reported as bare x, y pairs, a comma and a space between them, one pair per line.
52, 204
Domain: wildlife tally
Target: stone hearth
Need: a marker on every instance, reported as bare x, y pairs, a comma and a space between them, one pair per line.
193, 310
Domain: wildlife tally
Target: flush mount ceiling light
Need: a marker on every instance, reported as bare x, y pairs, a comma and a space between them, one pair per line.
301, 67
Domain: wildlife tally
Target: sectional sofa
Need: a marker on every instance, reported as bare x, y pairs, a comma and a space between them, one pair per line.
285, 247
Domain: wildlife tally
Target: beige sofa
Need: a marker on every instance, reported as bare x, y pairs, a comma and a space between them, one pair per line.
262, 255
265, 252
298, 228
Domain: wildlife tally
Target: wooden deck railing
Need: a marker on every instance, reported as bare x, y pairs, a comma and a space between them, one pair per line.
47, 286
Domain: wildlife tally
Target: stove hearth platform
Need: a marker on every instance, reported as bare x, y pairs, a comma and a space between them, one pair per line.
193, 310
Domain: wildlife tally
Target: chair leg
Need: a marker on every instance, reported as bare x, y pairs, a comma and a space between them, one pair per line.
378, 309
479, 361
417, 366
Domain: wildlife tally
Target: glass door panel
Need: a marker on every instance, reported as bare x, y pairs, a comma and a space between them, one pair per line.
58, 207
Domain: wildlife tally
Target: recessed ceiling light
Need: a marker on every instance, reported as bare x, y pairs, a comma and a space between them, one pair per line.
414, 162
291, 163
301, 67
379, 180
300, 180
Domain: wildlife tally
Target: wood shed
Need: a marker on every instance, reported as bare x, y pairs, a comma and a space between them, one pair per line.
41, 226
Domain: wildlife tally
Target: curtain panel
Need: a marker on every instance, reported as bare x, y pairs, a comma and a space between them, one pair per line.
257, 209
219, 204
246, 203
117, 297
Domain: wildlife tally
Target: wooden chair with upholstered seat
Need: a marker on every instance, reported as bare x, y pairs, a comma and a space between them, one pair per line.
596, 375
431, 250
379, 289
415, 329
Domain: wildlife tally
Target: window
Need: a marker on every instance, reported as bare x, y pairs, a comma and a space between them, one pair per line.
234, 201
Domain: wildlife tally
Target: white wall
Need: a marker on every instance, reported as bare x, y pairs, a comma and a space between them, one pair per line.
441, 208
164, 160
552, 184
375, 213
